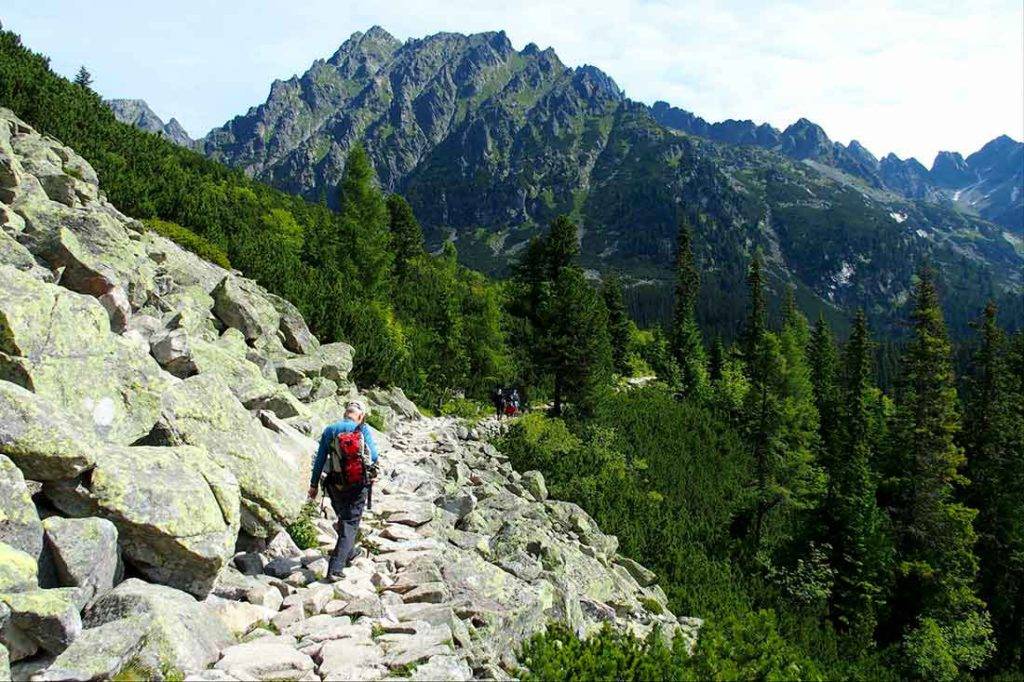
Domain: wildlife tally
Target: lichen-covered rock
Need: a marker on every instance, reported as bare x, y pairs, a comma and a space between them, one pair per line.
85, 553
47, 618
171, 348
20, 526
237, 304
237, 616
5, 663
201, 411
297, 337
98, 653
175, 508
18, 571
39, 438
178, 632
394, 398
533, 481
265, 660
59, 344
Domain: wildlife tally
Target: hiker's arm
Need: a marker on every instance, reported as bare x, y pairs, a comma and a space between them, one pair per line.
321, 456
371, 444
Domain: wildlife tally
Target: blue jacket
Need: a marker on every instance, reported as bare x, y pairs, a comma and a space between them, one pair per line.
330, 434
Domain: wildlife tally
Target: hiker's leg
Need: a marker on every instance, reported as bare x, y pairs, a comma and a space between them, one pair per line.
348, 505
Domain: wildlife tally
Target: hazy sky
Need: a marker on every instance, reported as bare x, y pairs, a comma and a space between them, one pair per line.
908, 77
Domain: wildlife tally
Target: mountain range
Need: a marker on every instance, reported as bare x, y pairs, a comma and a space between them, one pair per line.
489, 143
136, 112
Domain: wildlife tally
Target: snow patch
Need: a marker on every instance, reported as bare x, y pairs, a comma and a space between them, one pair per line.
898, 217
921, 233
842, 277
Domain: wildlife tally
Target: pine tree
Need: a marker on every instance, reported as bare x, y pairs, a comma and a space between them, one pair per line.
363, 216
856, 525
619, 326
780, 423
945, 628
754, 329
406, 234
561, 246
994, 439
824, 362
83, 78
687, 342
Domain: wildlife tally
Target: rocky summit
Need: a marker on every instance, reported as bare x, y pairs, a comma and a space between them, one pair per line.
157, 417
136, 112
490, 143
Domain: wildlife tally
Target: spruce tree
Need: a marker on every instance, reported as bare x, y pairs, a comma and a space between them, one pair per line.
561, 246
687, 342
406, 234
824, 361
780, 423
83, 78
619, 327
754, 329
943, 625
994, 439
363, 215
856, 525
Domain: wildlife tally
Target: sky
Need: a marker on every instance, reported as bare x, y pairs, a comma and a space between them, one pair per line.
911, 77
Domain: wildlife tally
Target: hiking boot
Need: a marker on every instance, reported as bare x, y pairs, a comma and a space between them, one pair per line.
334, 577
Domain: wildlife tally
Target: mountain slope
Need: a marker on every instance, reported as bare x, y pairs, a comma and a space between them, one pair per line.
490, 143
136, 112
982, 185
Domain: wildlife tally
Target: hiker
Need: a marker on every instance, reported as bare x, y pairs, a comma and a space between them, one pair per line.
498, 399
348, 454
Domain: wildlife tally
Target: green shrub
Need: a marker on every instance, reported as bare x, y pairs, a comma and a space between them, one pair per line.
302, 530
376, 420
464, 408
187, 239
652, 605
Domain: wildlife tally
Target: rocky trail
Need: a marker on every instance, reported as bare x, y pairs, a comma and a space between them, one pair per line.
466, 557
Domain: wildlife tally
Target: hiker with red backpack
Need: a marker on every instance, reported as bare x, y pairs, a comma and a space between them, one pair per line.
348, 455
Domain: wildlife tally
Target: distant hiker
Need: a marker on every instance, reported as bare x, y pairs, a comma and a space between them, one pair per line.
498, 400
348, 454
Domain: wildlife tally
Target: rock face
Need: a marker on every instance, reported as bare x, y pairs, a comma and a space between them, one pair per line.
136, 112
85, 553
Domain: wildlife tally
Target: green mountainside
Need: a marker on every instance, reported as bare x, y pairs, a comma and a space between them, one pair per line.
489, 144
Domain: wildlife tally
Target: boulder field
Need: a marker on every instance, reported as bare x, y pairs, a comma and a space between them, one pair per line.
157, 418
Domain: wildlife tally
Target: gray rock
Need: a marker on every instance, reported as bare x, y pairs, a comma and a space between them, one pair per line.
39, 438
179, 632
265, 595
59, 345
459, 505
47, 618
20, 526
238, 304
99, 653
297, 337
176, 510
85, 553
395, 399
201, 411
350, 659
237, 616
171, 348
18, 570
533, 481
249, 563
642, 575
5, 663
260, 660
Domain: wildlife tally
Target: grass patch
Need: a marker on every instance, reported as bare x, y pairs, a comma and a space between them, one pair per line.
187, 239
652, 605
402, 670
302, 530
376, 420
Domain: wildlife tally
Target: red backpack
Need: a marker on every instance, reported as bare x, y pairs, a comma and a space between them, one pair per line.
346, 466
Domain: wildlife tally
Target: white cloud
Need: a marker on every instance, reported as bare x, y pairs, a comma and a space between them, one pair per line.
909, 77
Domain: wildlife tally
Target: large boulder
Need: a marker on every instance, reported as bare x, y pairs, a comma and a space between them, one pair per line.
18, 571
201, 411
40, 438
59, 344
85, 553
20, 526
47, 619
179, 632
394, 399
175, 508
296, 335
238, 303
99, 653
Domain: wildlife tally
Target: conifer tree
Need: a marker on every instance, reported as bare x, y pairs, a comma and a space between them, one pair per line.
561, 246
754, 329
945, 628
364, 218
994, 439
780, 422
406, 234
856, 525
824, 361
619, 327
687, 342
83, 78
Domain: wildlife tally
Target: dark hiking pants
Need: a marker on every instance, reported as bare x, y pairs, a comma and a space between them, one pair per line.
348, 504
